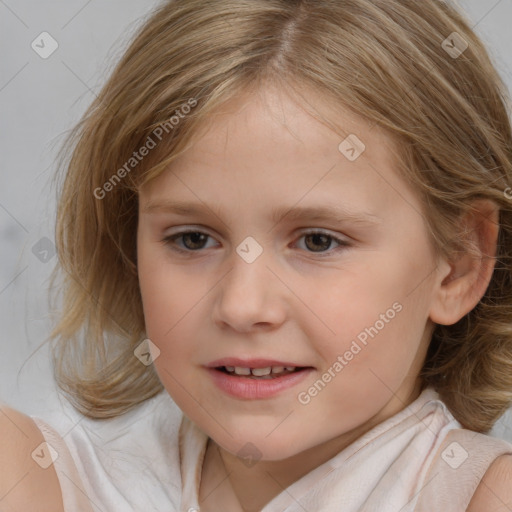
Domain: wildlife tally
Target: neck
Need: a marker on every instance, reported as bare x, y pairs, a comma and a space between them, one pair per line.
257, 485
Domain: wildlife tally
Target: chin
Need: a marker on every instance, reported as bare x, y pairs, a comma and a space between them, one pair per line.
261, 451
258, 445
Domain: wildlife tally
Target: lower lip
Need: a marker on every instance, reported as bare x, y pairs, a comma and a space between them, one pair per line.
251, 389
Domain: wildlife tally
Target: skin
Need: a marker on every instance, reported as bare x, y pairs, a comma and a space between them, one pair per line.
24, 484
263, 151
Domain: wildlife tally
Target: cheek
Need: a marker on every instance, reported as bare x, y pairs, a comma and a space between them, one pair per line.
355, 301
165, 312
166, 303
164, 295
171, 300
163, 298
374, 318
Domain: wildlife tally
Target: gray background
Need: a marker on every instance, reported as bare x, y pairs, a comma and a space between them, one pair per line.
40, 101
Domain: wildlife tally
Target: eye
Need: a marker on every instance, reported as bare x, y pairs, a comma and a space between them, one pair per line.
193, 240
316, 241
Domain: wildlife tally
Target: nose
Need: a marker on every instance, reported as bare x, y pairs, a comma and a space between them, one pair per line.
250, 296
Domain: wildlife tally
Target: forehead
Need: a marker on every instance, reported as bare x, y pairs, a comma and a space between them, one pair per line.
265, 147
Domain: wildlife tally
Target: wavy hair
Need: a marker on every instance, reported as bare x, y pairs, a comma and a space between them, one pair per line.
392, 62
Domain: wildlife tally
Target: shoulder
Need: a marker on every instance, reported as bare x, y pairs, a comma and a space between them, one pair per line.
23, 482
495, 489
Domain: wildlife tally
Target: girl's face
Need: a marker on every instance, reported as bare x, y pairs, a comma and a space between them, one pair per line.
304, 252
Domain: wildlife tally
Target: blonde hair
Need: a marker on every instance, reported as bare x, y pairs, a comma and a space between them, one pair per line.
383, 59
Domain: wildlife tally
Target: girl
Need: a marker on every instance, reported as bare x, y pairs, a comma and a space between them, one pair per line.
285, 233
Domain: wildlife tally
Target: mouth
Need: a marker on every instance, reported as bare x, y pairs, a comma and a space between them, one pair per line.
256, 378
264, 373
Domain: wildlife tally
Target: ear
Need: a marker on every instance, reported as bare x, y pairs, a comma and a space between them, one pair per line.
464, 279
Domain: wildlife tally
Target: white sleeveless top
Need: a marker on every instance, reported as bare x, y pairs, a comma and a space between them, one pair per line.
150, 459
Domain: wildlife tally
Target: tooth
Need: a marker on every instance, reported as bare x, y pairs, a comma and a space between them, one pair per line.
290, 368
259, 372
242, 371
230, 368
277, 369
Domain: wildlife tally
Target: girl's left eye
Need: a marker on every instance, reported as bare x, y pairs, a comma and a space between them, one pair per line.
194, 241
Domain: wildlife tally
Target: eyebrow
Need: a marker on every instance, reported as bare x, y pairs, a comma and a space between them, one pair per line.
336, 213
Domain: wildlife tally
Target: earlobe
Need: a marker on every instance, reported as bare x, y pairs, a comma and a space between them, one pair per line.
464, 279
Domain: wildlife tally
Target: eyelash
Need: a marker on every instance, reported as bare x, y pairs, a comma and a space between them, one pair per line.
169, 241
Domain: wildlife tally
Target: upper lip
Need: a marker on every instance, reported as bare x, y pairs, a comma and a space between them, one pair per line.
251, 363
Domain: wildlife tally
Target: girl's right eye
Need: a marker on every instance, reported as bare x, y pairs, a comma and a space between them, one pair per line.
194, 241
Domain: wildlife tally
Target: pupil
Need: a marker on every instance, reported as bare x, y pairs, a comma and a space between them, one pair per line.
317, 236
